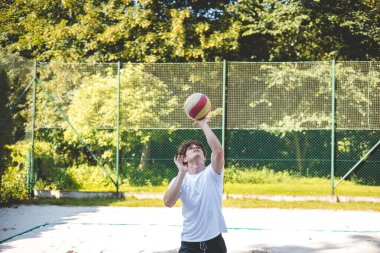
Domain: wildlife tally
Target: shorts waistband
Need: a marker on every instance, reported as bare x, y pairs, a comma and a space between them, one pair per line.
212, 239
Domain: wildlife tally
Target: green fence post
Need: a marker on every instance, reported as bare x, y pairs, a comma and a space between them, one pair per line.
117, 126
332, 125
28, 184
224, 115
31, 174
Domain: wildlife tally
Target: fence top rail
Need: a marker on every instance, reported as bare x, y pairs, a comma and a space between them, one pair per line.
188, 63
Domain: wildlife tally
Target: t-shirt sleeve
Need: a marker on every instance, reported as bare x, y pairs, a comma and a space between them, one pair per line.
213, 174
170, 184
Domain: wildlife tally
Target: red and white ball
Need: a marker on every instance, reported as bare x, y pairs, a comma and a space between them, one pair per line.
197, 106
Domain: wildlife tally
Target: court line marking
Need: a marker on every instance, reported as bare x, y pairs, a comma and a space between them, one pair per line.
169, 225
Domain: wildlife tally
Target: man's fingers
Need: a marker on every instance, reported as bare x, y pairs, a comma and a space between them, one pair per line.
178, 158
197, 122
175, 159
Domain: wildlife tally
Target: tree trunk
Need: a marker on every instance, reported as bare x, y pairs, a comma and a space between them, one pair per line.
145, 155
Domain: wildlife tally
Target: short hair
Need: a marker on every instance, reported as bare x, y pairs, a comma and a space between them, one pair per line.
185, 145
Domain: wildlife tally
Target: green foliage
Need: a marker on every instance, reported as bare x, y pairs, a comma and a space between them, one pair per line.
347, 30
55, 178
94, 102
177, 31
357, 93
152, 175
257, 176
309, 30
14, 73
283, 29
20, 150
86, 177
295, 94
103, 31
13, 185
15, 76
146, 100
18, 154
47, 174
5, 119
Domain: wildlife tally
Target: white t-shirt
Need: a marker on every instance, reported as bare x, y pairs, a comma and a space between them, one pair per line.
201, 197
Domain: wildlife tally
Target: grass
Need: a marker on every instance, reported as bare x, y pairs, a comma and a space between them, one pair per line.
358, 206
234, 203
303, 188
263, 182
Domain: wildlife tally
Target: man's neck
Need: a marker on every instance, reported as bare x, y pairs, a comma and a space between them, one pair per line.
195, 167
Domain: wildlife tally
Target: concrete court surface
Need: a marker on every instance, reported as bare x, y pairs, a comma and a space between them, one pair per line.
31, 228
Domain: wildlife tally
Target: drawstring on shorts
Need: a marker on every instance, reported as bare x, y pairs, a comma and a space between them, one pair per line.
215, 244
203, 246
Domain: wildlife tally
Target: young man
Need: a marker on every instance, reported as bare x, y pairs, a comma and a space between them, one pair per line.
200, 188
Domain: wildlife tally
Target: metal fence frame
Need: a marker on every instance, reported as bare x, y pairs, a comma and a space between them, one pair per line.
37, 83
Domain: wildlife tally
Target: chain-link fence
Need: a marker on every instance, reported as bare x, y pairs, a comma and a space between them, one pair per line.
16, 88
107, 126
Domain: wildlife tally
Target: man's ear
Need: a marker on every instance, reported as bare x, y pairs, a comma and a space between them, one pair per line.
184, 160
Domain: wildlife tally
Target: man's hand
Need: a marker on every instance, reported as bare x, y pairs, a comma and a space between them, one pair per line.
201, 122
180, 164
173, 193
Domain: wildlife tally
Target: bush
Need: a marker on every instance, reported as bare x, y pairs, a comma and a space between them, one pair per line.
13, 186
256, 176
86, 177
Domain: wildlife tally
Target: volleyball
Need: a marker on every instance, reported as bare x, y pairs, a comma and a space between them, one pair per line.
197, 106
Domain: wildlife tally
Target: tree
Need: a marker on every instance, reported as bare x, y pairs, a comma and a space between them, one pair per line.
294, 97
277, 30
179, 31
108, 31
145, 100
15, 75
346, 30
5, 120
309, 30
297, 96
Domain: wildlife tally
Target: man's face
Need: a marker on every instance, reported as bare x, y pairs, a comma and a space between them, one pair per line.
194, 151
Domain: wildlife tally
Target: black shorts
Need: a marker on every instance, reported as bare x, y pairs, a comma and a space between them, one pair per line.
214, 245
